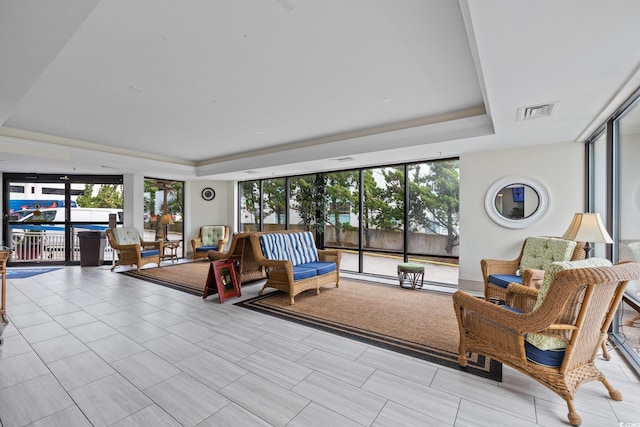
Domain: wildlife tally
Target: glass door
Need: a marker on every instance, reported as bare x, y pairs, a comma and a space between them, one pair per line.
45, 213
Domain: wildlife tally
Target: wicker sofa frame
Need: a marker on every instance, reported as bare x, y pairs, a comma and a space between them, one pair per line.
280, 272
240, 250
580, 304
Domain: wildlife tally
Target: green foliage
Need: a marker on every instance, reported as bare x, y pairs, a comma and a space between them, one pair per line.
250, 194
310, 200
275, 199
175, 196
435, 200
108, 196
342, 190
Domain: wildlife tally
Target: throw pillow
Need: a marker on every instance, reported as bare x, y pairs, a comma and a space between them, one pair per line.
551, 342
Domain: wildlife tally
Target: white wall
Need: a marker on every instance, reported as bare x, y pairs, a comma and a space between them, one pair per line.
560, 167
133, 200
199, 212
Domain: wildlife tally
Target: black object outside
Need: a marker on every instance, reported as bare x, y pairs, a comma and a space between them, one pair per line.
92, 245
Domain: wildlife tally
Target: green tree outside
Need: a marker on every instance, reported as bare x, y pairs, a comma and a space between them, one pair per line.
108, 196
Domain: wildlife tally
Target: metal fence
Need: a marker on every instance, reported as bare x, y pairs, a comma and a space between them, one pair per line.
40, 246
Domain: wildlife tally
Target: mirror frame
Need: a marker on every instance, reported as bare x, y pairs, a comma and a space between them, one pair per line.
538, 187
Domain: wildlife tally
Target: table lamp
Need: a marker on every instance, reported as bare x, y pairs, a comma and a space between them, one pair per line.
587, 227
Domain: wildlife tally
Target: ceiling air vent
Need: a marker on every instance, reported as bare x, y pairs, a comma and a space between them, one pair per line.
535, 111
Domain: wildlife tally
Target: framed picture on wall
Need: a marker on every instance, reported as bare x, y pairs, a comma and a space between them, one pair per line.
222, 277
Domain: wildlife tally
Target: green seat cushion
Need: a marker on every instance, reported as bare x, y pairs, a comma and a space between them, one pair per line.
409, 266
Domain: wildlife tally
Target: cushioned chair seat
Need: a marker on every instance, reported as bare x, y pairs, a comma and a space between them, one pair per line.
300, 272
320, 267
207, 248
551, 358
149, 252
503, 280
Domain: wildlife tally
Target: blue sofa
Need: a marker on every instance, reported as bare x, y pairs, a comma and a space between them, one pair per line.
293, 263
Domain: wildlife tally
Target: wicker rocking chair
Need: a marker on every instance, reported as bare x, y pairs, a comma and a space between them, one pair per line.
577, 310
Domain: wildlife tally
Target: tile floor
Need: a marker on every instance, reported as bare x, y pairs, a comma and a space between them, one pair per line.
86, 346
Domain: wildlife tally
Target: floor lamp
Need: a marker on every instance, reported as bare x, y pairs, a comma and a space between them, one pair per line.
587, 227
165, 221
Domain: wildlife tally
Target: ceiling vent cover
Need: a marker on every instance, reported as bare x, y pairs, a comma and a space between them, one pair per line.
535, 111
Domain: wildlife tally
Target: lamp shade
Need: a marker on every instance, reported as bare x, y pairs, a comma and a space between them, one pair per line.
587, 227
166, 219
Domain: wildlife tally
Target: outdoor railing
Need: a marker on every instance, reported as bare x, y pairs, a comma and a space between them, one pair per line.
39, 246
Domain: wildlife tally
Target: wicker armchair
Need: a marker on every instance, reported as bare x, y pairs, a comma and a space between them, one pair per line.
536, 255
577, 310
131, 249
210, 238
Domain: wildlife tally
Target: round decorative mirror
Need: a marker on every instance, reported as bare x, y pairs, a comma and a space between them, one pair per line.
516, 202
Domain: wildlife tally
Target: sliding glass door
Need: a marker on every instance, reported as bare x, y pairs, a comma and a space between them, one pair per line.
46, 212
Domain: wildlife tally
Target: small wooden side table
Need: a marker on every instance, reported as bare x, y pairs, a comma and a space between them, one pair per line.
5, 253
172, 246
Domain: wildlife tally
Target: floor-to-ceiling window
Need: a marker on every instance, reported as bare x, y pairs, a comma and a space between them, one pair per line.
306, 194
378, 217
163, 212
274, 208
614, 192
250, 201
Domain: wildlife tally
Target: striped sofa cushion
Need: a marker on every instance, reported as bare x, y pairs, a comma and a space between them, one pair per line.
274, 246
302, 248
299, 248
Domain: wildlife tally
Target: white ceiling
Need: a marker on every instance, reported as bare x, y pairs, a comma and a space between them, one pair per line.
203, 89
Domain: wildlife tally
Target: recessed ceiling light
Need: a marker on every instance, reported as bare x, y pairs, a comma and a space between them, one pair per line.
535, 111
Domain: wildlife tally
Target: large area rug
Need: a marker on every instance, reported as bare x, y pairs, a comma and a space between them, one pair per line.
189, 277
418, 323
